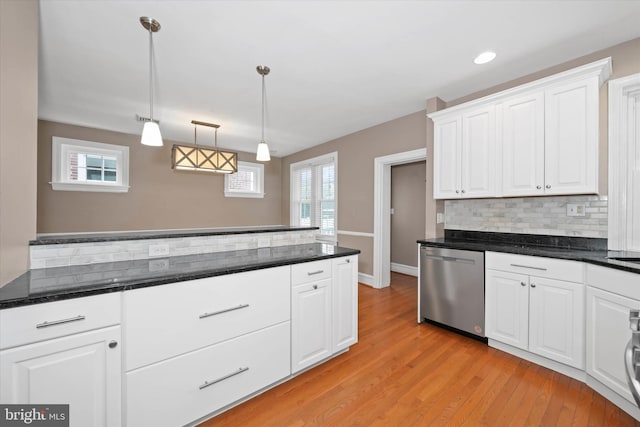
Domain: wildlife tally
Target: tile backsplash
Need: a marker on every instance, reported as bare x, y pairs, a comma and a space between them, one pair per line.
58, 255
530, 215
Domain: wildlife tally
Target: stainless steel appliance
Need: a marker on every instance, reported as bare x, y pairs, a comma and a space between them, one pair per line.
451, 290
632, 355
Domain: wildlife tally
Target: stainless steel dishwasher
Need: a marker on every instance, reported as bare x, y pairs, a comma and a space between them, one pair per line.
451, 290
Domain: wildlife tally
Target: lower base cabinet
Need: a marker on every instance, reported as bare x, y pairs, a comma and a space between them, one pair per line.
82, 370
185, 388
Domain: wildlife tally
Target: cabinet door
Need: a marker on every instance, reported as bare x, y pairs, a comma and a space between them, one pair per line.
522, 134
556, 320
571, 138
345, 302
80, 370
479, 153
446, 157
310, 324
607, 336
507, 308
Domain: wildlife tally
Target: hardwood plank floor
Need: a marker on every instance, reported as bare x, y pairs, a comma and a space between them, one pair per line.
406, 374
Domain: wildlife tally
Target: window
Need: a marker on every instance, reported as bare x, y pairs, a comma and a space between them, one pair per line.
314, 195
89, 166
248, 181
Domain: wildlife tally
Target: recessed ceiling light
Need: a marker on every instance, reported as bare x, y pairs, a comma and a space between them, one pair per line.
485, 57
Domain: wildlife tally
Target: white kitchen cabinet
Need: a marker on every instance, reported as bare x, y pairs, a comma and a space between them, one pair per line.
538, 314
464, 151
447, 154
345, 302
540, 138
522, 136
571, 138
82, 370
607, 336
507, 308
311, 313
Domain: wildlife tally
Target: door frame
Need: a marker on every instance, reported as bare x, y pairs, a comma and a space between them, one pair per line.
382, 212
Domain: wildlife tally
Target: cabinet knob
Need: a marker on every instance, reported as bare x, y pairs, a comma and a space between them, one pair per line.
315, 286
348, 260
462, 191
523, 284
457, 191
547, 186
533, 285
539, 187
113, 344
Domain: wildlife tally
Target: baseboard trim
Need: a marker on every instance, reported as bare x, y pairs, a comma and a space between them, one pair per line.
366, 279
614, 397
404, 269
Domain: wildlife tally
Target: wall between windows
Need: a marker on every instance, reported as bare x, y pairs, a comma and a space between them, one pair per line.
159, 197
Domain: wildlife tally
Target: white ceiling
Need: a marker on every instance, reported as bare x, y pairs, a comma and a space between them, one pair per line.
337, 66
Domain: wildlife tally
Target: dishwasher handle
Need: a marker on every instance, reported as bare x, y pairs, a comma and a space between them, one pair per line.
448, 259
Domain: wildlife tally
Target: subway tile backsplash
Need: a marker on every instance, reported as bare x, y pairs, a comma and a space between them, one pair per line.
60, 255
530, 215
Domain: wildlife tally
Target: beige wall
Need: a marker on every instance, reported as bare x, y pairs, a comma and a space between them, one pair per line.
159, 197
625, 59
18, 116
408, 202
356, 154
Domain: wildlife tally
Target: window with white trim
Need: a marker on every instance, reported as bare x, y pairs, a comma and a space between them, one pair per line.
314, 191
78, 165
248, 181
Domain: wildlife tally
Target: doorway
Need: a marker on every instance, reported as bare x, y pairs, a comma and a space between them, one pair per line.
382, 210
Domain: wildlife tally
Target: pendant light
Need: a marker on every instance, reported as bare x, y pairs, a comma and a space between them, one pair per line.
262, 154
151, 131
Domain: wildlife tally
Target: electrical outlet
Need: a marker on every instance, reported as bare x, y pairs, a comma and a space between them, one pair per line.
158, 250
158, 265
439, 218
575, 209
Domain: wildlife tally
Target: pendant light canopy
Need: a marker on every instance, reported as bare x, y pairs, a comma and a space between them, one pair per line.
151, 131
262, 154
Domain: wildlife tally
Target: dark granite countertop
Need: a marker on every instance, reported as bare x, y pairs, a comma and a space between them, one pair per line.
589, 250
62, 238
58, 283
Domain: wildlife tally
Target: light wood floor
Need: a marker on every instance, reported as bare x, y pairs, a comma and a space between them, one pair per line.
404, 374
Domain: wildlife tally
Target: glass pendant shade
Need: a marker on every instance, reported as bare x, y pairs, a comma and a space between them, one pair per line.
151, 135
262, 155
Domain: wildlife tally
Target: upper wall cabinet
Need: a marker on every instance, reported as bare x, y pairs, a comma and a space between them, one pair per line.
536, 139
465, 154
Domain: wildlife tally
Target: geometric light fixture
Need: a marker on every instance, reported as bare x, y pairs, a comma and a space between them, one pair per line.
262, 153
151, 131
203, 159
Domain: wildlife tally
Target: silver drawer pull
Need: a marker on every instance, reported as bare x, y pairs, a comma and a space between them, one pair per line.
313, 273
527, 266
59, 322
226, 310
226, 377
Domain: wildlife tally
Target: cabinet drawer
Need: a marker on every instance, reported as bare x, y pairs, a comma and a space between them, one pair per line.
188, 387
310, 271
164, 321
24, 325
571, 271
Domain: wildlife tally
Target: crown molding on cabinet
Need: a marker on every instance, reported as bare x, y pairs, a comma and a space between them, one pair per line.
602, 69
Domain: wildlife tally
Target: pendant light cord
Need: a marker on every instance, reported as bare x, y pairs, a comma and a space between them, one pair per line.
150, 74
262, 140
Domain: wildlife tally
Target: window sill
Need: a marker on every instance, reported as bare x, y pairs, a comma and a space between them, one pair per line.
247, 195
98, 188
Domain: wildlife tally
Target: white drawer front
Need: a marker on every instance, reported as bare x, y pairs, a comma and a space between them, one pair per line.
188, 387
310, 271
38, 322
165, 321
560, 269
